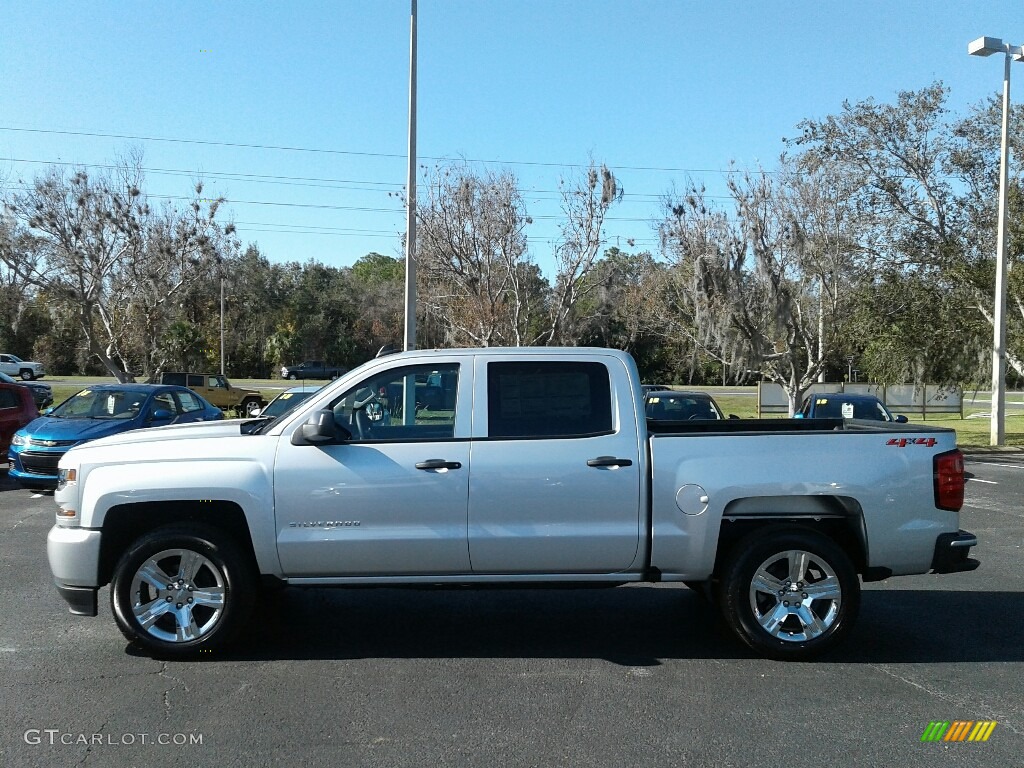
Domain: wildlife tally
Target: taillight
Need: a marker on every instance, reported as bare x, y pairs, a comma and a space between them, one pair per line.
949, 480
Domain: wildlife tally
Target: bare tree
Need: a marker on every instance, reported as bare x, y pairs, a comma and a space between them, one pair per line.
585, 204
472, 250
754, 288
83, 230
178, 250
94, 242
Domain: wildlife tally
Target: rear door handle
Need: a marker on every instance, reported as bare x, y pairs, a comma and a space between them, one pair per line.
438, 464
609, 461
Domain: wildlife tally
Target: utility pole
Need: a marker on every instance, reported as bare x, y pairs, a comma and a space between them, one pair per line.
410, 196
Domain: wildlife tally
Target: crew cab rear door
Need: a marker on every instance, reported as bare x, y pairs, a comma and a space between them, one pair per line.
556, 480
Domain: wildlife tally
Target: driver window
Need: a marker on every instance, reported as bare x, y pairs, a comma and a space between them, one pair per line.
410, 403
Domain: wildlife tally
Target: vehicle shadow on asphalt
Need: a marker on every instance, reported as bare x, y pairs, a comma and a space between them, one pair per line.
632, 626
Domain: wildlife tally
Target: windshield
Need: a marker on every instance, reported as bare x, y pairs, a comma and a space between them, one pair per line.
101, 404
680, 407
284, 403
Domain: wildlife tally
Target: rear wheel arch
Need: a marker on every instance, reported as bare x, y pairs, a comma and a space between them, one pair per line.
839, 518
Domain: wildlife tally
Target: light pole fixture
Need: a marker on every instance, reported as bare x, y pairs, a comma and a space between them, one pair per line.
986, 46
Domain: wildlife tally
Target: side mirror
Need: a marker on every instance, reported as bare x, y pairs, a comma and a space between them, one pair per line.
161, 414
255, 412
46, 411
320, 428
798, 415
733, 416
901, 419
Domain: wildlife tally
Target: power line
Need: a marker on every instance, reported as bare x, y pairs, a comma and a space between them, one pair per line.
390, 187
204, 142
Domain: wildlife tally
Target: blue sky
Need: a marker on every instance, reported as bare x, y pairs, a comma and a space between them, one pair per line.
537, 87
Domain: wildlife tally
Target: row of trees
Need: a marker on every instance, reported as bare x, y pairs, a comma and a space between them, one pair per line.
872, 238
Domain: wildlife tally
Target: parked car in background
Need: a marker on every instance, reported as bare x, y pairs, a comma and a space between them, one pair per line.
100, 411
41, 393
216, 389
671, 405
286, 401
844, 405
648, 388
311, 369
13, 365
16, 410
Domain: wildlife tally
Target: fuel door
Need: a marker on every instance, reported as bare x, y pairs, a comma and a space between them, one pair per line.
692, 499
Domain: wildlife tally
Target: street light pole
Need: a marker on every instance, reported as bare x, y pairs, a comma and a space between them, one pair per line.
410, 192
986, 46
222, 322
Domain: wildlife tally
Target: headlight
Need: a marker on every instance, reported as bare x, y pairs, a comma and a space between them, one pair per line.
66, 476
19, 439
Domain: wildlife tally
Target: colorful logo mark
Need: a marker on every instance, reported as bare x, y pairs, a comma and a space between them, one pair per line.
959, 730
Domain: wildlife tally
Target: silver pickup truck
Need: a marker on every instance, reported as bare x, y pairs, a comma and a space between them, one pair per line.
503, 466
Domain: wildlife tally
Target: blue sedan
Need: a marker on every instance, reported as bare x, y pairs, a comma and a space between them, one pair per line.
100, 411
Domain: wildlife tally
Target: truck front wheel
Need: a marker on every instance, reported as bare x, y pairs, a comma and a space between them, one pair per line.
179, 590
790, 594
27, 375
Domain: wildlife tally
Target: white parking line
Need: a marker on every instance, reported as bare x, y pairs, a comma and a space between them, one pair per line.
977, 480
990, 464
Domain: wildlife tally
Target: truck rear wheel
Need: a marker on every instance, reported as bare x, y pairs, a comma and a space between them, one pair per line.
179, 590
249, 406
790, 594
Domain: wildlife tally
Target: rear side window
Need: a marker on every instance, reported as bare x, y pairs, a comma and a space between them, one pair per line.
196, 381
8, 399
542, 399
189, 402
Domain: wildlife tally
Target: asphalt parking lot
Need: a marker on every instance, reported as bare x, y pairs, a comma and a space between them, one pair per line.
636, 676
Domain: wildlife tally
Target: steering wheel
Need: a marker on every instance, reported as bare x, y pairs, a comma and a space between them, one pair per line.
362, 421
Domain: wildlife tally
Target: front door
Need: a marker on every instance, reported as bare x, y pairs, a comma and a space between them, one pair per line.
392, 500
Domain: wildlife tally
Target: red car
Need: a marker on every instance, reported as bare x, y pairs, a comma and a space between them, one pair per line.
17, 408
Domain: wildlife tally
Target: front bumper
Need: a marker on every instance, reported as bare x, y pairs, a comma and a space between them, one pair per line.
34, 467
951, 550
74, 556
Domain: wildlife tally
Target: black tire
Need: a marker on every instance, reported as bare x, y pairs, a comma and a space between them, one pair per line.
249, 405
781, 618
214, 568
27, 375
293, 376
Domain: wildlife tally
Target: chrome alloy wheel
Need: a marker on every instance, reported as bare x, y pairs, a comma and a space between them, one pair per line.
178, 595
795, 596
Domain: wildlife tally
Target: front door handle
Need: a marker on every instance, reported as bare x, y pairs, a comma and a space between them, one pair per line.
438, 464
609, 461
